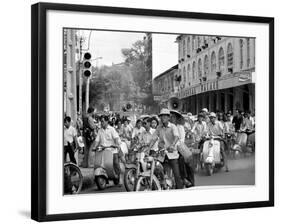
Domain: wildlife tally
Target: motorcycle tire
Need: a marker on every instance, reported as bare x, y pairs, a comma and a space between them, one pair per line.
209, 169
116, 181
142, 184
128, 181
101, 182
74, 178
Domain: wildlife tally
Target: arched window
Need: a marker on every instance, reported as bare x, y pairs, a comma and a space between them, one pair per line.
193, 70
229, 56
184, 76
241, 53
248, 52
193, 42
184, 52
221, 59
198, 41
213, 62
188, 73
188, 45
199, 68
206, 65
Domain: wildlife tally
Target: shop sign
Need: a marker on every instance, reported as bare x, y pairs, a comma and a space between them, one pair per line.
210, 86
186, 93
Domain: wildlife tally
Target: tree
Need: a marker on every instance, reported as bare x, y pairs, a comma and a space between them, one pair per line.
139, 59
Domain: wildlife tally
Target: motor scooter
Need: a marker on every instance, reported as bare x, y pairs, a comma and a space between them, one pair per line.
211, 156
103, 168
134, 166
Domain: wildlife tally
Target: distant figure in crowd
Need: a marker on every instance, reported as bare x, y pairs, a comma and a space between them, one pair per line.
70, 141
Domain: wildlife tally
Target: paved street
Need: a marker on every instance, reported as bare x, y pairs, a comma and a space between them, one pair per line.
242, 172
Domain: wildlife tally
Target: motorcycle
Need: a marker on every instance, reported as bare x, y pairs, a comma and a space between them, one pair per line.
158, 174
104, 169
245, 142
134, 166
211, 156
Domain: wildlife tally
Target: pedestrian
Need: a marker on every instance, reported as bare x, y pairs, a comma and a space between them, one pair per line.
237, 120
70, 141
89, 132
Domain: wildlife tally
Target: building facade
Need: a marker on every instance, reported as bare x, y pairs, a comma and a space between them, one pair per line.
165, 86
70, 74
215, 72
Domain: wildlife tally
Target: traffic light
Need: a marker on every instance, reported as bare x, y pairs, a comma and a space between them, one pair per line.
87, 66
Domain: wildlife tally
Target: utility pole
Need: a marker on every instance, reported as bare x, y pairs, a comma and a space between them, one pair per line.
87, 92
80, 76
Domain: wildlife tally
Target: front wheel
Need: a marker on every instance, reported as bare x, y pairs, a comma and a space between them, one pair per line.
101, 182
130, 179
143, 184
73, 179
209, 169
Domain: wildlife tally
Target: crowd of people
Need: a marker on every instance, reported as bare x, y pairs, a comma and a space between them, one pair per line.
170, 129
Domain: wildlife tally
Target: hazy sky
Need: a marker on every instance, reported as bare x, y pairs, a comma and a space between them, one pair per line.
108, 45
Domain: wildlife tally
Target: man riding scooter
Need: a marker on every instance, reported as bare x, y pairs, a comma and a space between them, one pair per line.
216, 129
107, 158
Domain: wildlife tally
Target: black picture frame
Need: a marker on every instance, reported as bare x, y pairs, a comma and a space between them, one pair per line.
39, 122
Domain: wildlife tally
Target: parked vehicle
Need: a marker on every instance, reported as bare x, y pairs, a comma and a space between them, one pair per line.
104, 169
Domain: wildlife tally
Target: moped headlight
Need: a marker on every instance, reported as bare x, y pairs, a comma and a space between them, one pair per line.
148, 165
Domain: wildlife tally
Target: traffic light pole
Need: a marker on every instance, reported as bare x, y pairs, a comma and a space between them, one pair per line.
87, 92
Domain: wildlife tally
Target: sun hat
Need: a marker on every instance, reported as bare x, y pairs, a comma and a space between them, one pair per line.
212, 114
178, 114
164, 111
205, 110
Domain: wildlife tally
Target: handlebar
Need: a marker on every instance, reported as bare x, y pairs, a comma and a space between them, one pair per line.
100, 148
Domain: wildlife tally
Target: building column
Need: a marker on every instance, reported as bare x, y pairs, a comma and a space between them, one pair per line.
197, 104
210, 101
237, 98
218, 101
225, 101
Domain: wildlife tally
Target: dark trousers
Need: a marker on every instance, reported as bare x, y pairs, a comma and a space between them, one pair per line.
68, 149
186, 170
176, 170
116, 164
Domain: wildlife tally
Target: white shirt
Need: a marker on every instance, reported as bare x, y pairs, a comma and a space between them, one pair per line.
69, 135
108, 137
137, 131
181, 133
199, 130
167, 136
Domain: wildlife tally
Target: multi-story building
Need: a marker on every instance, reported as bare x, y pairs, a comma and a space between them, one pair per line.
215, 72
70, 74
165, 86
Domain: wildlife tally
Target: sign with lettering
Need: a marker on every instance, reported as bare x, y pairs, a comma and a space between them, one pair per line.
209, 86
200, 88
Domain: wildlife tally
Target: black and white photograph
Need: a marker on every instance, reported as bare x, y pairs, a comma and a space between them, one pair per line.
146, 111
